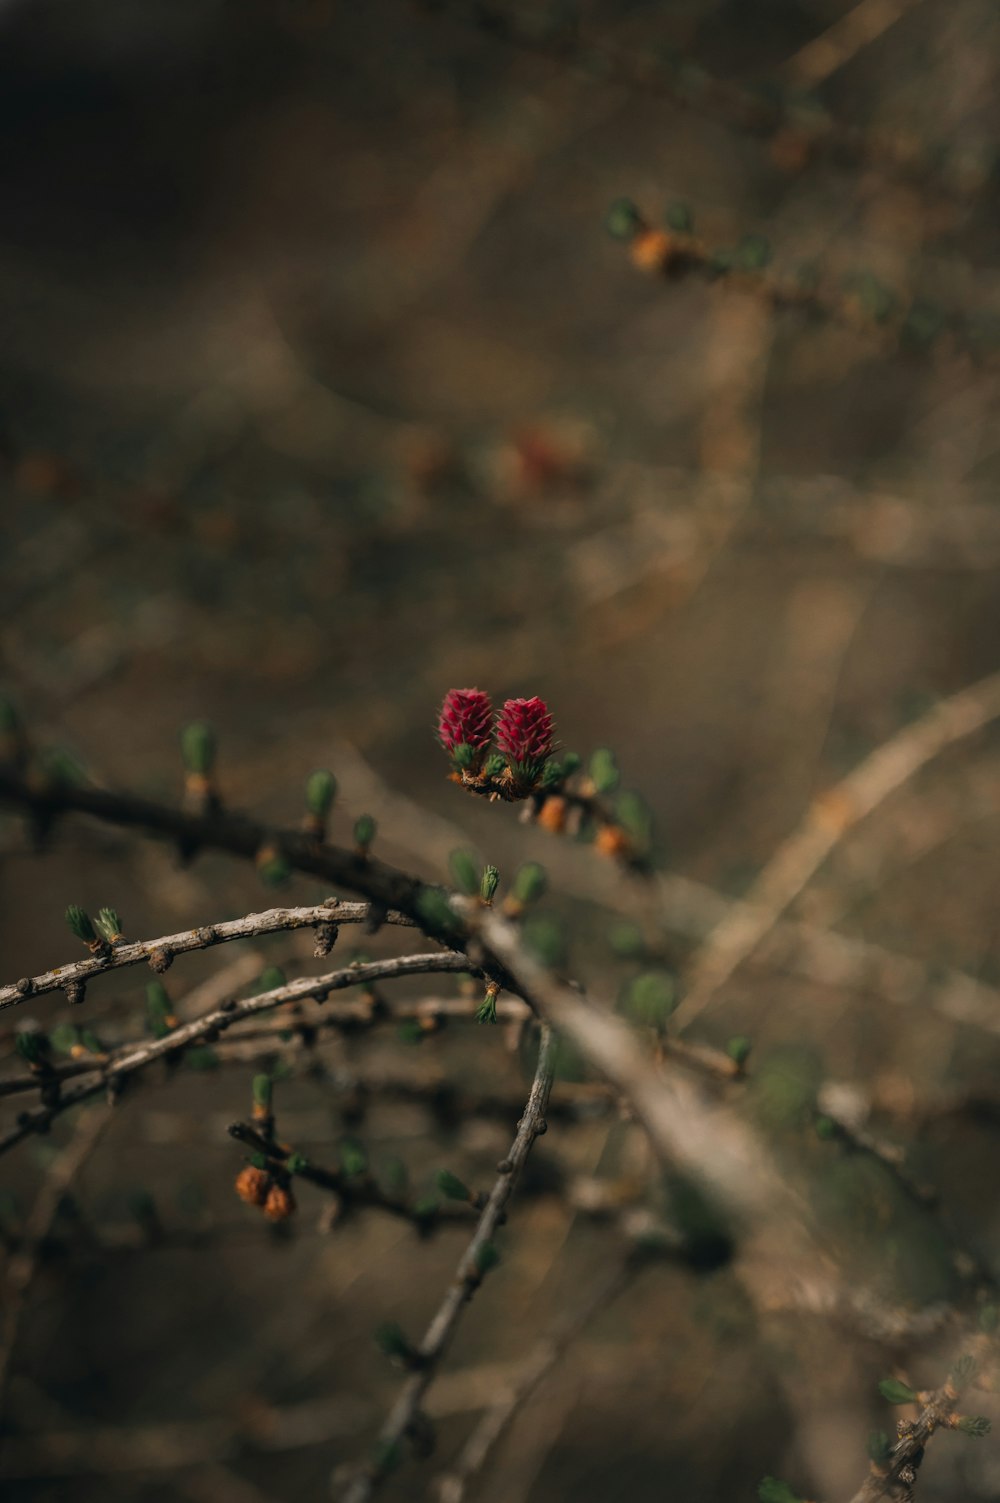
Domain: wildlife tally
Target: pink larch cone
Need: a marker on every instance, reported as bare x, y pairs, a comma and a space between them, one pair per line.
465, 729
524, 736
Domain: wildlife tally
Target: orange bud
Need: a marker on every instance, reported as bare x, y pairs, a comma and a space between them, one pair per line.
280, 1203
251, 1185
552, 815
651, 250
612, 841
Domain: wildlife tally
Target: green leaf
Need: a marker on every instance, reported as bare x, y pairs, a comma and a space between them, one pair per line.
109, 924
623, 220
487, 1010
353, 1158
32, 1045
603, 770
364, 831
321, 790
530, 882
464, 872
626, 940
738, 1048
975, 1425
261, 1088
198, 747
451, 1186
773, 1490
65, 1038
896, 1392
651, 998
80, 923
487, 1257
679, 218
753, 253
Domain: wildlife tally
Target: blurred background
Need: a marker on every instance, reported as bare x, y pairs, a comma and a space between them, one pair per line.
323, 389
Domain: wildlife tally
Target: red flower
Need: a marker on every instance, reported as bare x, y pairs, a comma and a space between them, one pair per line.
524, 735
464, 727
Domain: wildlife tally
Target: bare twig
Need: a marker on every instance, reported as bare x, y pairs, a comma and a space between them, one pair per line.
405, 1413
829, 818
133, 1058
203, 938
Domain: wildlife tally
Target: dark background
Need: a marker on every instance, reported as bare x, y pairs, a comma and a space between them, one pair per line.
322, 389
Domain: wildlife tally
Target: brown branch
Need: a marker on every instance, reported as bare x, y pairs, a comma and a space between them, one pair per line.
798, 133
405, 1414
202, 938
828, 819
895, 1480
130, 1059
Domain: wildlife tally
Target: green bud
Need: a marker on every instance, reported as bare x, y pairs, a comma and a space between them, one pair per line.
603, 770
198, 747
464, 872
487, 1010
495, 765
879, 1448
258, 1160
435, 910
65, 1038
753, 253
487, 1257
32, 1045
353, 1159
390, 1340
773, 1490
825, 1127
270, 979
296, 1162
81, 924
896, 1392
90, 1041
680, 218
110, 925
626, 941
488, 886
571, 762
61, 767
738, 1048
623, 220
274, 869
546, 939
426, 1208
530, 883
321, 790
261, 1087
451, 1186
651, 998
410, 1032
635, 818
975, 1425
364, 832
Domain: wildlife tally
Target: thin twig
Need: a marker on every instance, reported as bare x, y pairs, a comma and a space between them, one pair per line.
201, 938
406, 1411
828, 819
133, 1058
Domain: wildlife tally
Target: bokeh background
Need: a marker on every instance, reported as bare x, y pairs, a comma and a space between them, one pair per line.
323, 390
